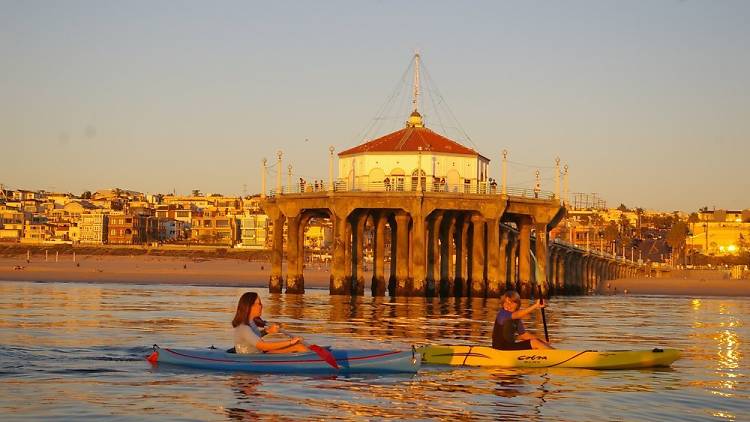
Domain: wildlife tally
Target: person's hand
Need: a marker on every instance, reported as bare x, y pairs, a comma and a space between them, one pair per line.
540, 304
273, 329
294, 340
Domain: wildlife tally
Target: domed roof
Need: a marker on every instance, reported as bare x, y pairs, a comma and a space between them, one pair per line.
412, 138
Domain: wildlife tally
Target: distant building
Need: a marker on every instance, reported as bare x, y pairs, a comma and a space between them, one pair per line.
11, 223
254, 231
59, 199
177, 212
171, 230
11, 232
22, 195
126, 229
74, 233
212, 226
74, 209
720, 232
93, 228
319, 235
251, 205
37, 232
60, 231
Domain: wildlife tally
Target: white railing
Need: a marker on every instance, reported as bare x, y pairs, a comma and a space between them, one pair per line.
408, 184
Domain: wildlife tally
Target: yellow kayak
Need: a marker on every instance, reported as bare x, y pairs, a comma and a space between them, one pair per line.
588, 359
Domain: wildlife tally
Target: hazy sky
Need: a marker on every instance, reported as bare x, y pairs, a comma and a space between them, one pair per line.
648, 102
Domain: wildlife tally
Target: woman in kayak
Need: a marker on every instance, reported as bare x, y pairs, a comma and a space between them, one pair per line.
509, 332
247, 335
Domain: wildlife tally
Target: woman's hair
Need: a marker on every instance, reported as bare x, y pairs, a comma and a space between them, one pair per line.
512, 296
243, 309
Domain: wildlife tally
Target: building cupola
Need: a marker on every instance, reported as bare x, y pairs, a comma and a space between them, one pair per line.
415, 120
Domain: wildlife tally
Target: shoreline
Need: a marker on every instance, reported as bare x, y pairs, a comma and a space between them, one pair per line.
677, 287
233, 272
145, 270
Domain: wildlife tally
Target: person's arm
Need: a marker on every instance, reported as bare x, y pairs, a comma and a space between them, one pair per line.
523, 312
267, 346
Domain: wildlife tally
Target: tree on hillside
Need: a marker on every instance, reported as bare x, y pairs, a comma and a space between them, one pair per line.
86, 195
622, 208
195, 192
639, 214
611, 233
597, 220
625, 227
676, 238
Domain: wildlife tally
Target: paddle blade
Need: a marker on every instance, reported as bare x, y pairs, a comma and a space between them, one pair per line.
325, 354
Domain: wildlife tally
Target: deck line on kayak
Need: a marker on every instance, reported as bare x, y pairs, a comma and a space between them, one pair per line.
569, 359
280, 361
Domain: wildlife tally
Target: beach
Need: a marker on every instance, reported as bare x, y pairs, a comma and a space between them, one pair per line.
145, 269
142, 269
677, 286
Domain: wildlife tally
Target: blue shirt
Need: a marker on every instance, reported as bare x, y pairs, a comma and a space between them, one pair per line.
504, 315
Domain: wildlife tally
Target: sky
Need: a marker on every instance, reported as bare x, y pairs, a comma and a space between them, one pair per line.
647, 102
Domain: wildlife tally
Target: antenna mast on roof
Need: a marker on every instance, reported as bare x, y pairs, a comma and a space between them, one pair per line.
415, 99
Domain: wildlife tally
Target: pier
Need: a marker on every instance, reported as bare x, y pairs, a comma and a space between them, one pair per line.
443, 244
453, 230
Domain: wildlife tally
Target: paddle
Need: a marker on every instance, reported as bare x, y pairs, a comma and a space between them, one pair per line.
544, 317
324, 354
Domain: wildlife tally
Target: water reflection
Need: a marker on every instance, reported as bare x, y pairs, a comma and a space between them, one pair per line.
245, 388
88, 341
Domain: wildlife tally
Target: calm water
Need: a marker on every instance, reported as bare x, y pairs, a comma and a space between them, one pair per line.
75, 351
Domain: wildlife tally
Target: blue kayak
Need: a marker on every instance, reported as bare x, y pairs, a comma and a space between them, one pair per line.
348, 361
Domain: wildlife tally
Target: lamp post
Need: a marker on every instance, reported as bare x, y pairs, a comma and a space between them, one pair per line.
557, 178
505, 172
330, 168
289, 177
565, 185
279, 154
263, 179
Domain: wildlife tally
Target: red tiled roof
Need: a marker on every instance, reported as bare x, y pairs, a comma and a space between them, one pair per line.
410, 139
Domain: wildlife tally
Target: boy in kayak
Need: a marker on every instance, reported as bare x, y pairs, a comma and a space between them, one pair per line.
247, 335
509, 332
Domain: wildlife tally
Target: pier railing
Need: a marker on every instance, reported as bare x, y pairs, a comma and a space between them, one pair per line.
591, 251
412, 185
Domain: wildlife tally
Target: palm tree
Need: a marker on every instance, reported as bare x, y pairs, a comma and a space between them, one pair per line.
676, 237
639, 213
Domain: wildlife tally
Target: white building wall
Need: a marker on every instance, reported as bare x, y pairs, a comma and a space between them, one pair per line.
356, 170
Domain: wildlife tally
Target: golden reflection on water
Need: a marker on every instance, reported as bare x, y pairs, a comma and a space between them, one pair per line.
718, 325
92, 320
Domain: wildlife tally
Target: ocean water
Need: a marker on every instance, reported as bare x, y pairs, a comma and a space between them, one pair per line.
74, 351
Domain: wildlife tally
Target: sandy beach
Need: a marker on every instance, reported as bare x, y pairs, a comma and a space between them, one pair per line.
144, 269
677, 286
148, 270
